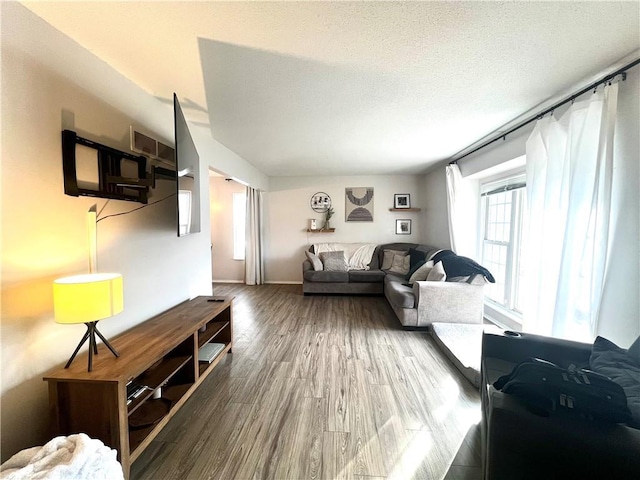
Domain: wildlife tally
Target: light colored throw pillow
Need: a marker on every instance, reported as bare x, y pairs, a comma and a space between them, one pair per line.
334, 261
315, 261
400, 264
387, 258
437, 273
422, 273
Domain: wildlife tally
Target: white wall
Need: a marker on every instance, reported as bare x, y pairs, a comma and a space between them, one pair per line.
436, 220
224, 267
49, 83
288, 212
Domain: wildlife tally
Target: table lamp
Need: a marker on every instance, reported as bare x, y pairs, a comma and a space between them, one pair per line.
87, 299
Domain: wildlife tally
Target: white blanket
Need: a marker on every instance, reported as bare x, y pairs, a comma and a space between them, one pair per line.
357, 255
73, 457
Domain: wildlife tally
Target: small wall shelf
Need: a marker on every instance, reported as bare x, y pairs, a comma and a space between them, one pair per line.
321, 230
404, 209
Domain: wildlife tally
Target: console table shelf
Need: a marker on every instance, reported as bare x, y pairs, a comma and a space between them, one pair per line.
159, 353
404, 209
321, 230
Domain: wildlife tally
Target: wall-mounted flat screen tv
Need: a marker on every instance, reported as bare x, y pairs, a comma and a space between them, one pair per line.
188, 170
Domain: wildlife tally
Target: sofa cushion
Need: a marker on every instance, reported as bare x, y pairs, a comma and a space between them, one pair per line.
325, 276
616, 363
316, 263
412, 269
415, 257
366, 276
334, 261
387, 258
400, 264
398, 294
421, 273
436, 274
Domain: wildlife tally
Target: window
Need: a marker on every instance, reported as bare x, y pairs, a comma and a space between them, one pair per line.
503, 210
239, 225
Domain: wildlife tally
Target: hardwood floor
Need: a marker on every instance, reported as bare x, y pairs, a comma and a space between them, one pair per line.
321, 387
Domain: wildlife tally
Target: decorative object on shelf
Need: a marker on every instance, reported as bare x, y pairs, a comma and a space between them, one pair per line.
88, 299
403, 227
328, 215
359, 204
312, 224
402, 200
320, 202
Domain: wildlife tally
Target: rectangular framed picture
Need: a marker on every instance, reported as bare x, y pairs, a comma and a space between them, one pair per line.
358, 204
403, 227
402, 200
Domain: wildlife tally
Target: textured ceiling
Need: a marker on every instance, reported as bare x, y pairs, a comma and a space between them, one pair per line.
327, 88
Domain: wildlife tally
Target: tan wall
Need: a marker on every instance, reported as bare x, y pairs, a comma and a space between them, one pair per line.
44, 233
224, 267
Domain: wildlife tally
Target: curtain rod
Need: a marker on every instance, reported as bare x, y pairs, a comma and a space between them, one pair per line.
621, 71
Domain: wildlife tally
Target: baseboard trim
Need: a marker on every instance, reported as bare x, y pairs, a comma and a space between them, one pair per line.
266, 282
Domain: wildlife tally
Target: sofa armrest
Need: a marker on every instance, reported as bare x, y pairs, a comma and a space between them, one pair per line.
519, 347
448, 302
306, 266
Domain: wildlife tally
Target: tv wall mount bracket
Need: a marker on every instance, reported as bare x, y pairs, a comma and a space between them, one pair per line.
111, 183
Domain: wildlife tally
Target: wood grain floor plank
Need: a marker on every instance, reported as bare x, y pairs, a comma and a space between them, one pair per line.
321, 387
364, 439
337, 461
338, 388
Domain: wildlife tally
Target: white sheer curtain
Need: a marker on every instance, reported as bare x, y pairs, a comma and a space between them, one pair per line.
569, 173
254, 262
453, 186
462, 207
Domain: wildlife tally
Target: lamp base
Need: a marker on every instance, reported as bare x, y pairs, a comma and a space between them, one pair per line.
90, 334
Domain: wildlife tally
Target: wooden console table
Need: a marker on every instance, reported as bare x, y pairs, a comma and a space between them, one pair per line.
161, 352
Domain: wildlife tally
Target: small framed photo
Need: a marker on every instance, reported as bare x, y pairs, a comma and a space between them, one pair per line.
403, 227
402, 200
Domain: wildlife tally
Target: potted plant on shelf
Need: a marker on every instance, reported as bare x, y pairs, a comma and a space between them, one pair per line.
327, 217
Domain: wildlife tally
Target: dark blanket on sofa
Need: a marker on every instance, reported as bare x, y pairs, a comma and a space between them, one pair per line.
457, 266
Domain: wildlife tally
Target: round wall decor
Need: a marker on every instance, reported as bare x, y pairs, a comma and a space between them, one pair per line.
320, 202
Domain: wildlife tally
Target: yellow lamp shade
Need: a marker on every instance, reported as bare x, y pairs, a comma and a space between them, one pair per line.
87, 298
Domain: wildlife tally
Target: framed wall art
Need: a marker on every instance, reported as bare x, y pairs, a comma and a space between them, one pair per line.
402, 200
358, 204
403, 227
320, 202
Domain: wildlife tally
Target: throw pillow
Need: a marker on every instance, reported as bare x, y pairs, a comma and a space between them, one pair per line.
416, 256
316, 263
437, 273
334, 261
617, 364
421, 273
400, 264
413, 268
387, 258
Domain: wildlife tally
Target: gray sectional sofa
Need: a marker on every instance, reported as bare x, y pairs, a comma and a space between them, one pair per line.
351, 281
417, 305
